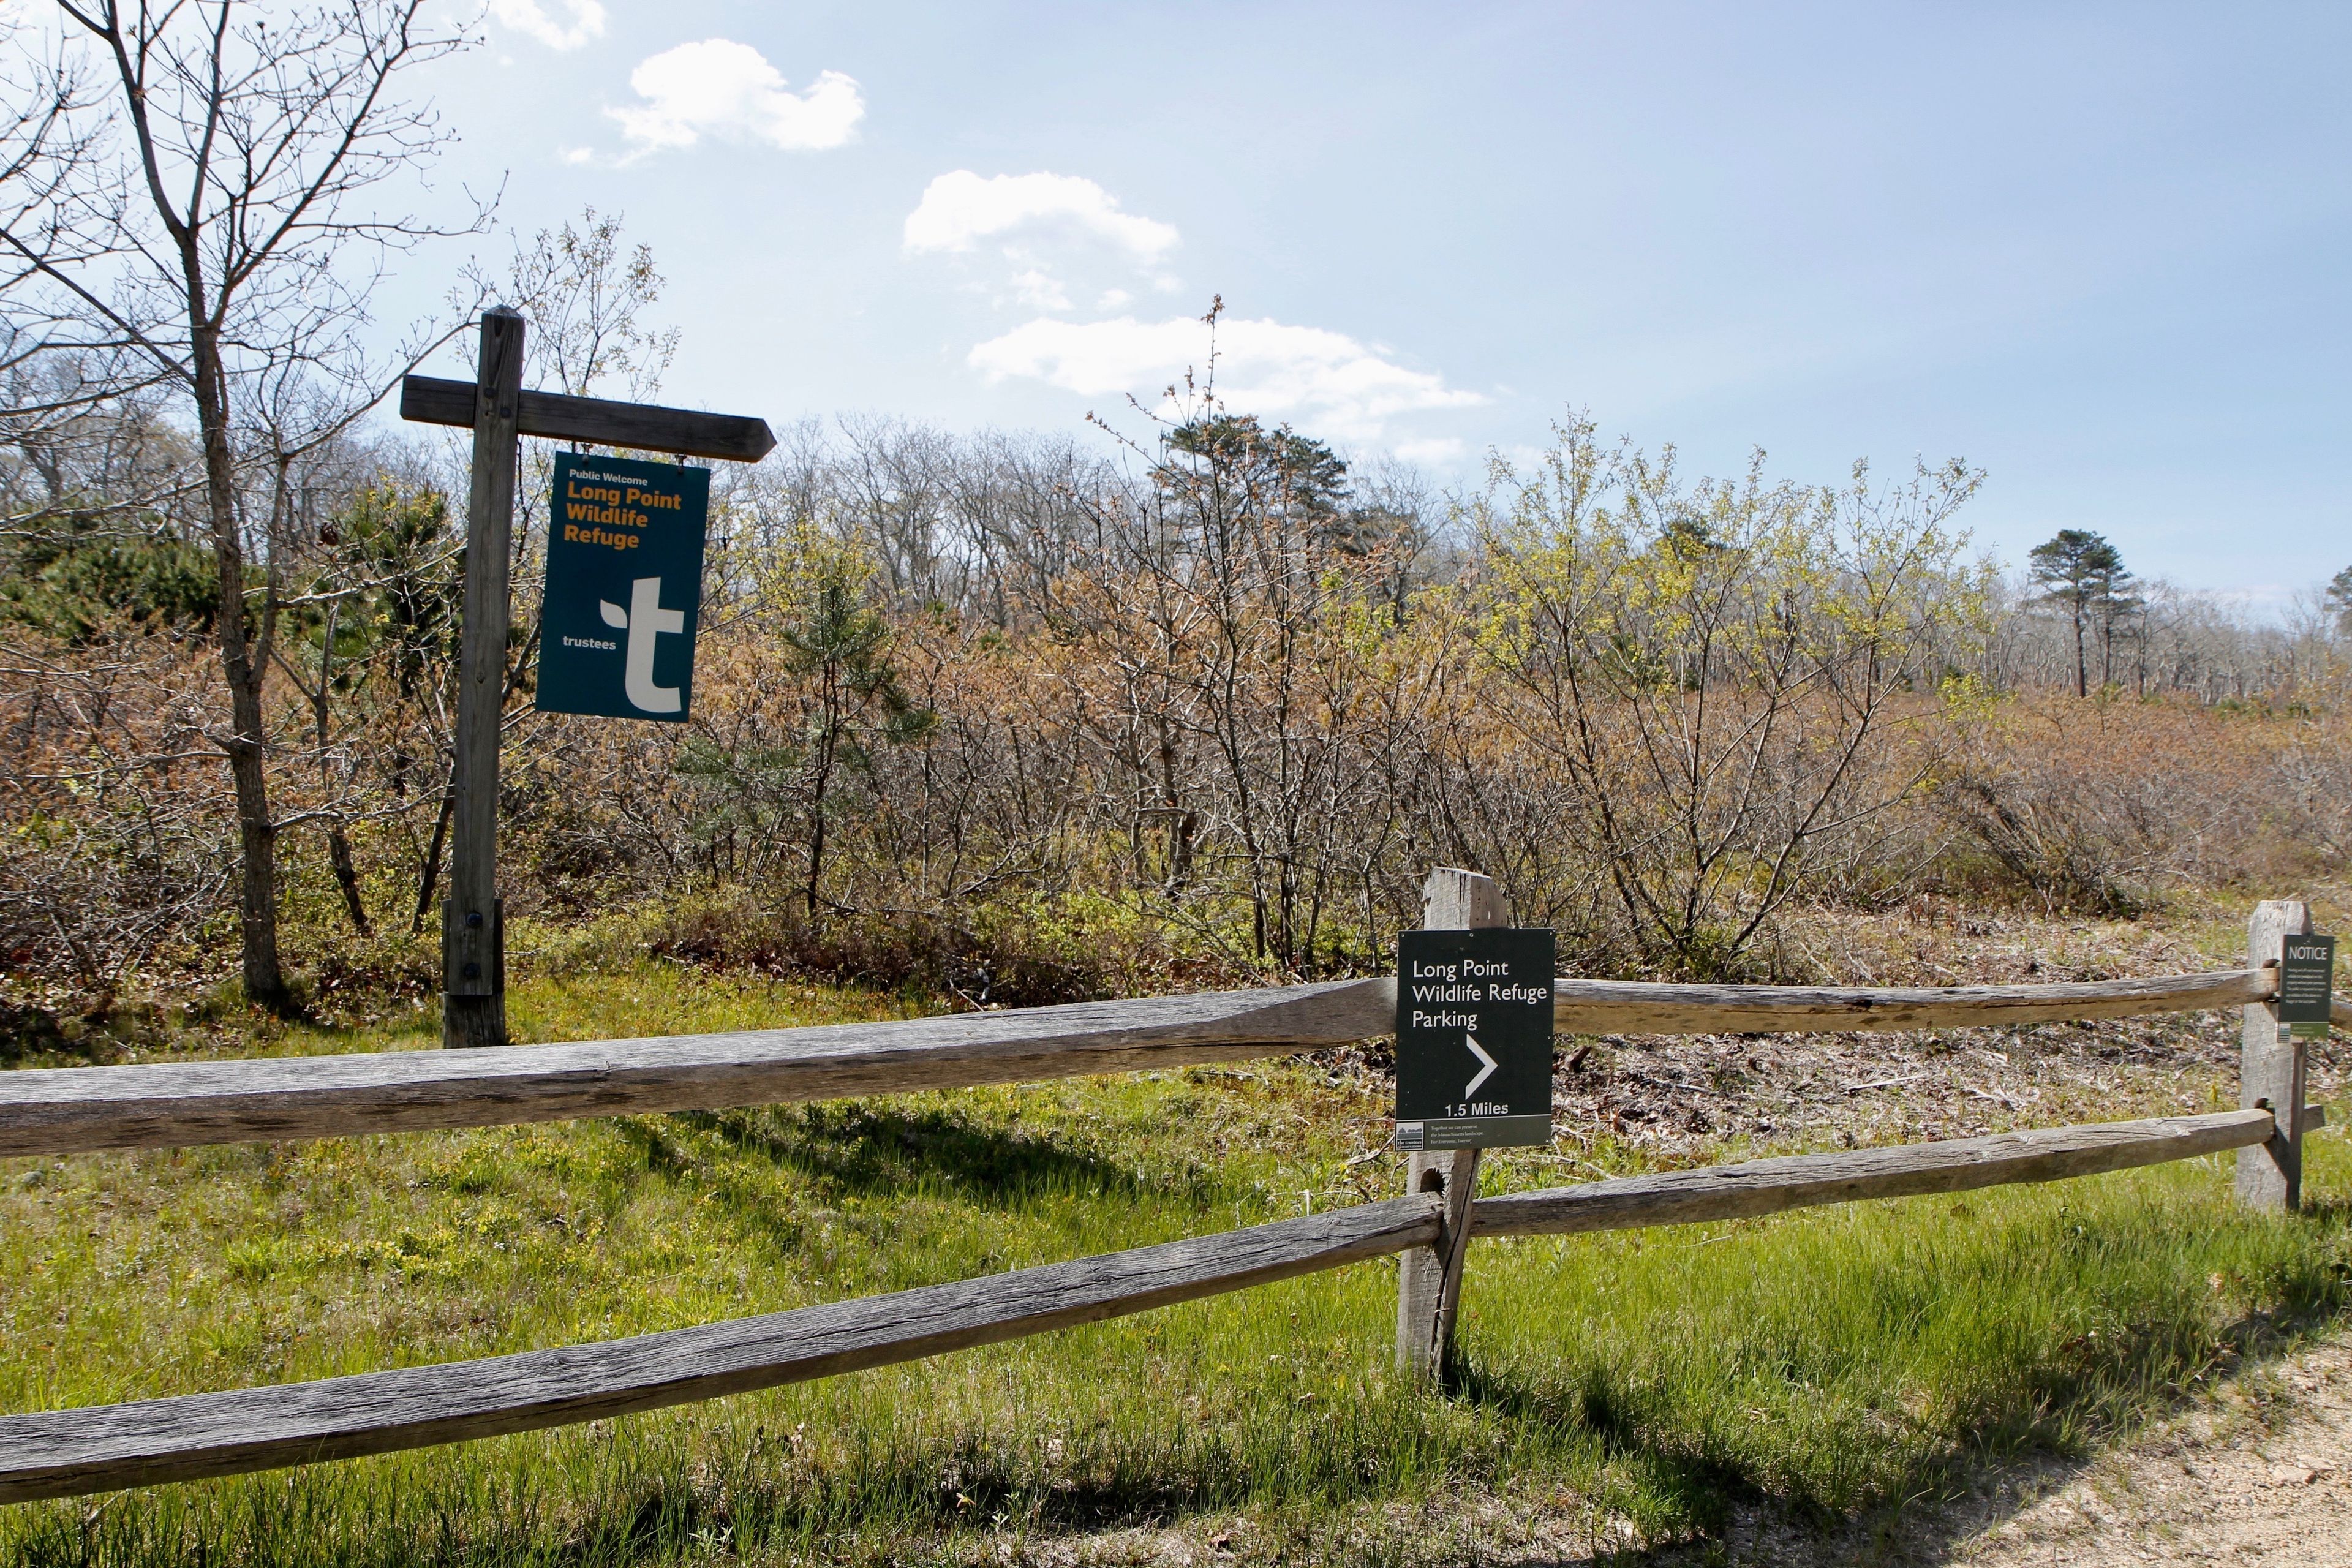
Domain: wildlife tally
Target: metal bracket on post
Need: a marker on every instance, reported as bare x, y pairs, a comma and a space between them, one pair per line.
1429, 1280
473, 949
2270, 1069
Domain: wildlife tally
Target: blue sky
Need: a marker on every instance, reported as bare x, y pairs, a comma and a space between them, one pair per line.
2098, 250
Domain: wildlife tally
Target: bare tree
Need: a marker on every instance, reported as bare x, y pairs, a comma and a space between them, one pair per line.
219, 229
1720, 671
70, 391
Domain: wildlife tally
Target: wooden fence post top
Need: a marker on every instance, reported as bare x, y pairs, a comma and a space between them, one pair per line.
1456, 900
2276, 920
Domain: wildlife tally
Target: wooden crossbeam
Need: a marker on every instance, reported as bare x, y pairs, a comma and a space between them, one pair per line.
171, 1104
1652, 1007
60, 1453
1846, 1175
65, 1453
640, 426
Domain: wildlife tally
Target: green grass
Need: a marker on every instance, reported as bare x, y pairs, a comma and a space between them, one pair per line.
1832, 1360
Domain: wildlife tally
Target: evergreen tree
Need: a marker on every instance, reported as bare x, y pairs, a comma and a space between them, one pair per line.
2082, 572
838, 646
843, 644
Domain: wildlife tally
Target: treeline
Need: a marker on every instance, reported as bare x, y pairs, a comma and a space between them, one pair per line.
2078, 615
1024, 717
1016, 716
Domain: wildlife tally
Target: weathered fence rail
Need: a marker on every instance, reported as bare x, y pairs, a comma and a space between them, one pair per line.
1650, 1008
67, 1452
164, 1105
63, 1453
1849, 1175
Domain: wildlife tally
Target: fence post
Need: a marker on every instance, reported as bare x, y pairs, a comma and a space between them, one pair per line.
1429, 1279
2271, 1070
473, 920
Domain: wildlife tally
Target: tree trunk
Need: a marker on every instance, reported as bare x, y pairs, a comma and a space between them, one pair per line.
347, 878
265, 979
820, 786
2082, 658
431, 875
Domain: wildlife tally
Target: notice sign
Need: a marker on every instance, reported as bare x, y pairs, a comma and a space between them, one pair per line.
2307, 987
1474, 1039
623, 588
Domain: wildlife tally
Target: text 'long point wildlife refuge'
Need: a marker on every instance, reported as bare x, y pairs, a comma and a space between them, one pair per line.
590, 500
1465, 981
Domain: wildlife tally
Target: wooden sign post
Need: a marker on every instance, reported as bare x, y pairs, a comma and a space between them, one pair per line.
1429, 1279
2271, 1066
473, 928
473, 937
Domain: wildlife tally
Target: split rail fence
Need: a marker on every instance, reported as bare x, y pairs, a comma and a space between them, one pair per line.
69, 1452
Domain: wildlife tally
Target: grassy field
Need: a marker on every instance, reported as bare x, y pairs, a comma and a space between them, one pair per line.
1831, 1361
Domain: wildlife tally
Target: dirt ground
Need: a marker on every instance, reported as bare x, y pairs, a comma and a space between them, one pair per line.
2256, 1470
2259, 1473
1683, 1096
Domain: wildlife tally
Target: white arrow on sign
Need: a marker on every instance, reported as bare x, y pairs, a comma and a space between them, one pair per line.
1472, 1041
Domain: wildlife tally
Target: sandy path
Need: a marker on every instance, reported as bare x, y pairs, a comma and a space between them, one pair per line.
2262, 1472
2256, 1470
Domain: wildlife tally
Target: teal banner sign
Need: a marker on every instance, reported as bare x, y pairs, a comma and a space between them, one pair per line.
623, 588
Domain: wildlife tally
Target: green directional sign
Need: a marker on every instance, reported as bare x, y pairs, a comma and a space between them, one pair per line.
623, 588
1474, 1022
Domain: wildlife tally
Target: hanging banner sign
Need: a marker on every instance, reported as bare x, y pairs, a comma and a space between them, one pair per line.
1474, 1039
2307, 993
623, 588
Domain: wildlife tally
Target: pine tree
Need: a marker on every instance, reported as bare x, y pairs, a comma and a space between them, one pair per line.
2082, 572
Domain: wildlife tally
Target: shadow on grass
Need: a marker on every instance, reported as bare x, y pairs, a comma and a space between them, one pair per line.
1999, 1476
933, 1501
1694, 1489
858, 1150
1937, 1507
885, 1503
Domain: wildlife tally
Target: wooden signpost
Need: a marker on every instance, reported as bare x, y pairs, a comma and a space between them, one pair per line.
1456, 1093
2271, 1066
473, 932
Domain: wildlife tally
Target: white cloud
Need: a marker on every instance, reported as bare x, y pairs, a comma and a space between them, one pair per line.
1324, 381
530, 18
729, 90
960, 207
1040, 290
1444, 449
